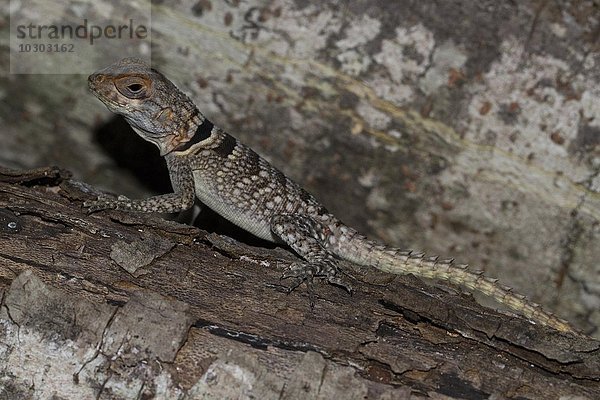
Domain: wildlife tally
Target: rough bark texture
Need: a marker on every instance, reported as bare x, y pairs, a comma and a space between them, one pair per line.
114, 305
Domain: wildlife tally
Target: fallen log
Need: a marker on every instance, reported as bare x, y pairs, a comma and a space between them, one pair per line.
121, 305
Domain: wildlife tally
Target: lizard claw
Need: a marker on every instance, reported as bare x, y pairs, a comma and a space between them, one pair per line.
337, 281
299, 273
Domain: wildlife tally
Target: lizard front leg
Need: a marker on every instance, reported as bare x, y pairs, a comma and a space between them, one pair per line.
181, 199
306, 236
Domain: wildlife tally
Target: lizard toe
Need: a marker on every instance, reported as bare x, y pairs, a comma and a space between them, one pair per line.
337, 281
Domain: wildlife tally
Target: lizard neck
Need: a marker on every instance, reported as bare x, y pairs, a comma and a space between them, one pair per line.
203, 131
201, 134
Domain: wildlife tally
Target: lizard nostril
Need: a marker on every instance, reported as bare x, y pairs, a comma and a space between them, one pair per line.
95, 78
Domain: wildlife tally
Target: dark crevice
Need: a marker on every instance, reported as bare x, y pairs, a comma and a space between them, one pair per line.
225, 253
409, 315
61, 220
10, 317
98, 347
181, 346
255, 341
30, 263
530, 359
454, 386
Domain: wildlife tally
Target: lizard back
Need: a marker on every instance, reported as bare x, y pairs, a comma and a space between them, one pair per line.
243, 187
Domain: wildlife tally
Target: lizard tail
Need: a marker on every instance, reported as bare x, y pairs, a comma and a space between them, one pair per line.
365, 252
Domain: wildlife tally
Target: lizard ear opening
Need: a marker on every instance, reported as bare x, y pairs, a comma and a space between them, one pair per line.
133, 87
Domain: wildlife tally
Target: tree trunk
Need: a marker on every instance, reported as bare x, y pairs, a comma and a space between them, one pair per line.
121, 305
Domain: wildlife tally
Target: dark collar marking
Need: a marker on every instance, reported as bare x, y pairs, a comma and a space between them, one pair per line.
202, 132
226, 146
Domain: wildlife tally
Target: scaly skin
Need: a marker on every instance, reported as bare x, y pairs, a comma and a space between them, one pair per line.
241, 186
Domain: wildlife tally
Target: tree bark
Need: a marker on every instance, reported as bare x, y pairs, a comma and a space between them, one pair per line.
120, 305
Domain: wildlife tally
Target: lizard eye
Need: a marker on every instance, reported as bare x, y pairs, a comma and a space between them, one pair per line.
135, 87
132, 87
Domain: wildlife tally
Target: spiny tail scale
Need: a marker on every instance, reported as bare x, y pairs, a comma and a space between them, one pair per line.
401, 262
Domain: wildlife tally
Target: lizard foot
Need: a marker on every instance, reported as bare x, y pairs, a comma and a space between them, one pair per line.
305, 272
301, 272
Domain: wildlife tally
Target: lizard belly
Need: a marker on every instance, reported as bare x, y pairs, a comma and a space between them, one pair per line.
236, 212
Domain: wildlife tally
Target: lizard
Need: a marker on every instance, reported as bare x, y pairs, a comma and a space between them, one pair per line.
206, 162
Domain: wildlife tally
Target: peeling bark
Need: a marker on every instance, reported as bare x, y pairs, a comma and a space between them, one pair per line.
117, 305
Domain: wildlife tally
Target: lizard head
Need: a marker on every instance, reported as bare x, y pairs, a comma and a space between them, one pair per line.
151, 104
